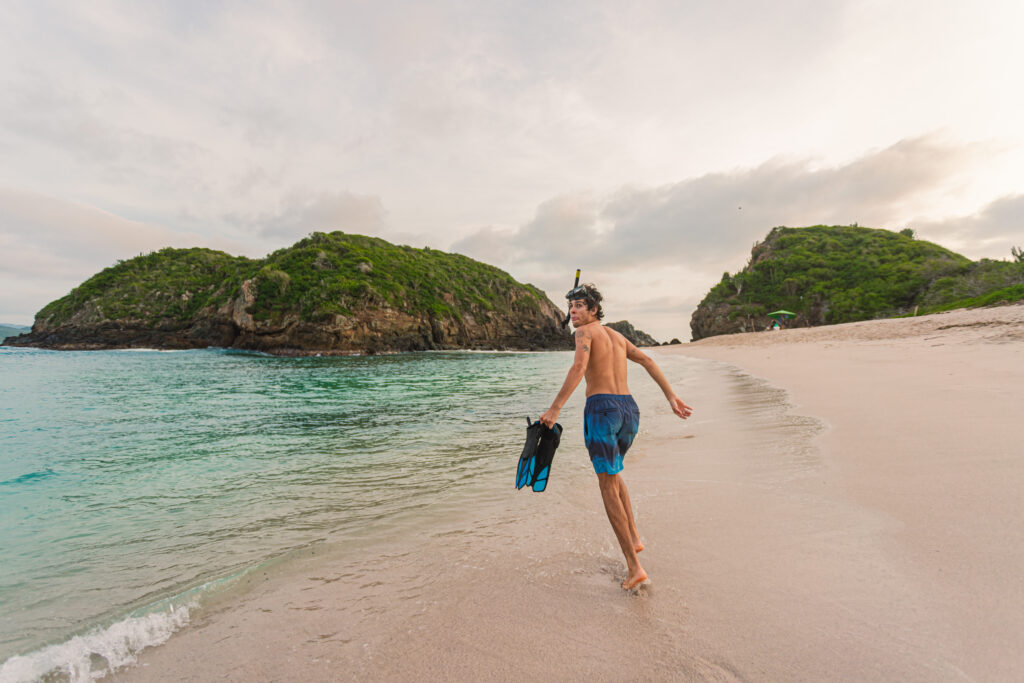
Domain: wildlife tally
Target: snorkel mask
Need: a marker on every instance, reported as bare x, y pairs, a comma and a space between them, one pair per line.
576, 292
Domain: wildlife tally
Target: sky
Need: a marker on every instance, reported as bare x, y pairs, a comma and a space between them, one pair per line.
650, 144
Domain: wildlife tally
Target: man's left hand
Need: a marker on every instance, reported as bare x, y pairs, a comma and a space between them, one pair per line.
549, 417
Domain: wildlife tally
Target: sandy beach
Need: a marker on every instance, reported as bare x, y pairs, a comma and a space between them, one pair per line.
845, 504
923, 465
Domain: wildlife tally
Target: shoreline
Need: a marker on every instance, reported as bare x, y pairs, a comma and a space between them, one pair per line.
282, 353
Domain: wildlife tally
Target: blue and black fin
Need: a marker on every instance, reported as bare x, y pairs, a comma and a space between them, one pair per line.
527, 461
549, 440
538, 452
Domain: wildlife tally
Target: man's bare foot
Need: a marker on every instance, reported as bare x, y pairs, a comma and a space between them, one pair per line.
635, 580
638, 546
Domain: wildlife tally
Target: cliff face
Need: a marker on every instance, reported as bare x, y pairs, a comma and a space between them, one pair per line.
330, 294
637, 337
711, 319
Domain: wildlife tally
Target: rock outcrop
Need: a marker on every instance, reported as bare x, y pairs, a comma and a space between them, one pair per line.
637, 337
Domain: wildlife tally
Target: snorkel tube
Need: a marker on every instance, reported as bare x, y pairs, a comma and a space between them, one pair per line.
574, 286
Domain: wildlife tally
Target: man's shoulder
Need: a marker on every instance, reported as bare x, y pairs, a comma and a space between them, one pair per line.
589, 329
612, 332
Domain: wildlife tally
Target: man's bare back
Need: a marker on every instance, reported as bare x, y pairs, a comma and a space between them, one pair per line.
606, 371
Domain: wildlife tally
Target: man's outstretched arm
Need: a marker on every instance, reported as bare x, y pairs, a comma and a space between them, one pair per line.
572, 380
637, 356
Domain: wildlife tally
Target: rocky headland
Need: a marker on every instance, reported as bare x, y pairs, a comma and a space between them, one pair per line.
826, 275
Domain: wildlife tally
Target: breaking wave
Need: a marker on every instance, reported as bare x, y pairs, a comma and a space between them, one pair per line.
101, 651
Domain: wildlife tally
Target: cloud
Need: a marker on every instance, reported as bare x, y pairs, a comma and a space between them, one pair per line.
703, 220
63, 121
211, 109
67, 232
301, 213
990, 232
707, 219
49, 245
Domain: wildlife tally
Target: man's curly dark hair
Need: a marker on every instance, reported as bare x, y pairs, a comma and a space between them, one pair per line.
588, 292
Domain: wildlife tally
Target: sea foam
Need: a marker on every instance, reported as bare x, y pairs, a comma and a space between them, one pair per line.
99, 652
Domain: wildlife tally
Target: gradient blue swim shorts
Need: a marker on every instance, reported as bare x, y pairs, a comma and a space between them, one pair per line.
610, 421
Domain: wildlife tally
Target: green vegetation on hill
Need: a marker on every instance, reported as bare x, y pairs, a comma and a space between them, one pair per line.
335, 273
165, 285
982, 283
320, 276
837, 274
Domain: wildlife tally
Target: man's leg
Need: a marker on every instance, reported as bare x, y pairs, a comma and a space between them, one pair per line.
611, 485
624, 495
624, 439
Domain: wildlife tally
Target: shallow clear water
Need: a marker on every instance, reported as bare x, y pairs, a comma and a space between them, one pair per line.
130, 477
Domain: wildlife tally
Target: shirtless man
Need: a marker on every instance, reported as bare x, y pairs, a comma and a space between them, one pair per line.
611, 417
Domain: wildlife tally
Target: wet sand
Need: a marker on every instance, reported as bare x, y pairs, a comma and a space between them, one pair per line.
844, 504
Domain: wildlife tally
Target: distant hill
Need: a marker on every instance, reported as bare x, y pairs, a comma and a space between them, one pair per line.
12, 330
328, 293
637, 337
837, 274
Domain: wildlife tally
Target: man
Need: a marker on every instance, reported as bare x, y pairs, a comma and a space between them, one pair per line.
611, 417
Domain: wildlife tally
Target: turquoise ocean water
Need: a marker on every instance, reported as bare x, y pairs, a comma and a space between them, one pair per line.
131, 480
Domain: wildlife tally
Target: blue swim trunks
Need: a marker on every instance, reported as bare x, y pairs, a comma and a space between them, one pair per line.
610, 421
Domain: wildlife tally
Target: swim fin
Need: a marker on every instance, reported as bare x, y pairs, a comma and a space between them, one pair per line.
535, 462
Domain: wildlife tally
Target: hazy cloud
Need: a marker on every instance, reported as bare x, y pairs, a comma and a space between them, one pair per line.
62, 118
59, 229
49, 245
703, 220
990, 233
301, 214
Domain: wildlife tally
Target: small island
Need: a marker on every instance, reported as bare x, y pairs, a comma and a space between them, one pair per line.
330, 293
